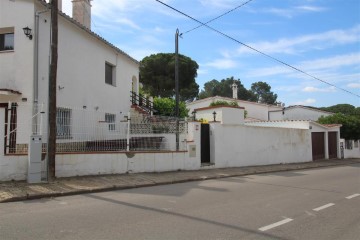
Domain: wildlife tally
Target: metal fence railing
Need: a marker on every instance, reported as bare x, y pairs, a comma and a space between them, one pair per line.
84, 130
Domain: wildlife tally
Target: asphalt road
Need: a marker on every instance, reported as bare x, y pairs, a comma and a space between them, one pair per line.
307, 204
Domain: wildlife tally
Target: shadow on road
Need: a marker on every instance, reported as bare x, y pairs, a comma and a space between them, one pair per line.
187, 217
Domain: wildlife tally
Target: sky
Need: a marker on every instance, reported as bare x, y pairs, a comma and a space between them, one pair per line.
319, 37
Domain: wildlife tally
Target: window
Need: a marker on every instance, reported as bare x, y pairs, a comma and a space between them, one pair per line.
356, 144
110, 118
6, 39
109, 74
63, 123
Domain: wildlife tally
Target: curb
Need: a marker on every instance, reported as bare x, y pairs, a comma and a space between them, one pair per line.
154, 183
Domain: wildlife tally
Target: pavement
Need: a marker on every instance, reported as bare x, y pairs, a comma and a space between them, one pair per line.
21, 190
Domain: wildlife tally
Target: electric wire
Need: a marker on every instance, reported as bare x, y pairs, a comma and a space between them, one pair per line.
258, 51
217, 17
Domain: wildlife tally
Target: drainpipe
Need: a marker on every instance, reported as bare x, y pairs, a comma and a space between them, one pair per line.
36, 73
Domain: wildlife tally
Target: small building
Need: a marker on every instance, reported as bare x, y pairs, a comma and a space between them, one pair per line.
325, 138
253, 110
297, 112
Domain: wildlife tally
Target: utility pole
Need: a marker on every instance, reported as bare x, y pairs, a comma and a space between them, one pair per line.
51, 144
177, 87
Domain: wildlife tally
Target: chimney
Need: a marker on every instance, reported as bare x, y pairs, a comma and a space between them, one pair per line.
60, 5
82, 12
235, 90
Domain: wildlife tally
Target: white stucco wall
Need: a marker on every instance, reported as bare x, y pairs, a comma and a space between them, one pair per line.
351, 153
81, 70
116, 163
298, 113
16, 67
240, 145
281, 124
224, 114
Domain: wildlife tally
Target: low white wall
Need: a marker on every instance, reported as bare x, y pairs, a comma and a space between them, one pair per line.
13, 168
240, 145
116, 163
67, 165
352, 153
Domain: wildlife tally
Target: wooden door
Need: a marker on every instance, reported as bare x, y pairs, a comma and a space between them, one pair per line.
332, 144
318, 145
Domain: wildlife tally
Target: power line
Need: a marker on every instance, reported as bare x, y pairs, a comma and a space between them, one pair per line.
218, 16
258, 51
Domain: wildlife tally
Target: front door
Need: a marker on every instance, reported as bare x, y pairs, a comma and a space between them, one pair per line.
205, 143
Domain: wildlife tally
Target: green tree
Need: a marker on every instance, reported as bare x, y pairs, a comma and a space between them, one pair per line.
223, 88
157, 74
262, 93
342, 108
224, 103
166, 107
350, 125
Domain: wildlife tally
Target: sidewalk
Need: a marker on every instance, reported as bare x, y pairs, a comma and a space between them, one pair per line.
19, 191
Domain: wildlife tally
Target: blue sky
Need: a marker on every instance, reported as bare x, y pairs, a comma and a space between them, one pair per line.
321, 37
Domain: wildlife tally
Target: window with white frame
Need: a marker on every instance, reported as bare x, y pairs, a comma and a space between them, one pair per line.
6, 39
109, 74
110, 119
356, 144
63, 123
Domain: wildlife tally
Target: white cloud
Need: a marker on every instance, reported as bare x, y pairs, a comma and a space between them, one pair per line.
293, 11
202, 71
306, 42
67, 7
354, 85
314, 89
139, 53
127, 22
311, 8
306, 102
324, 66
221, 64
289, 13
219, 3
332, 62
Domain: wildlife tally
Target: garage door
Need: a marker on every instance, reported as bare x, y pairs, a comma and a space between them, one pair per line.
332, 143
318, 145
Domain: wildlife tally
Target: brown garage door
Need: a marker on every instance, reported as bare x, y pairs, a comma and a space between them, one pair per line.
332, 143
318, 145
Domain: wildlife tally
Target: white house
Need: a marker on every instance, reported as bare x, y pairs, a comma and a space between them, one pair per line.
254, 111
297, 112
92, 73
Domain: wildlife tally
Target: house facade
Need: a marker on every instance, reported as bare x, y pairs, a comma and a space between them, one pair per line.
92, 74
297, 112
254, 111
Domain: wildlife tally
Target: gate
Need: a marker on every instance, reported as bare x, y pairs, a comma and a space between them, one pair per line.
318, 145
205, 143
332, 144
